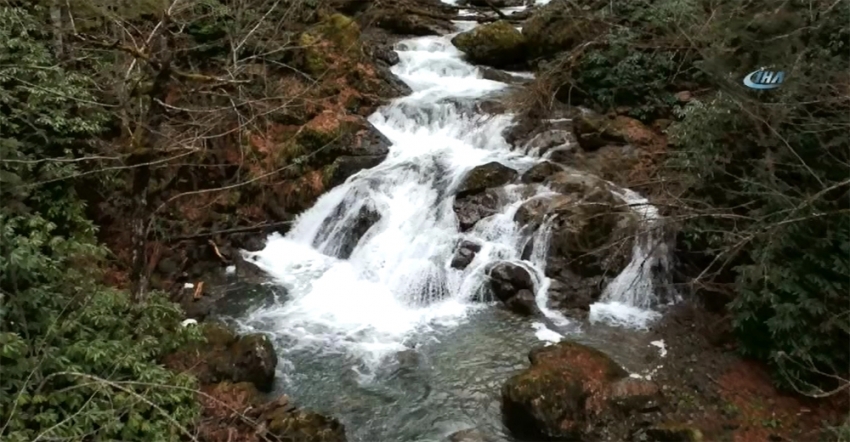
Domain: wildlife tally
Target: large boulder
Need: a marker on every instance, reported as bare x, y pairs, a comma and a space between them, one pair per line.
569, 389
560, 26
540, 172
497, 44
340, 232
513, 285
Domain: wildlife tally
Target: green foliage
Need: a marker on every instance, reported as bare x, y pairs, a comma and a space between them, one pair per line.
768, 173
79, 361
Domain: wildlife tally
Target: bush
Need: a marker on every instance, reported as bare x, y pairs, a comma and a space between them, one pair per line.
768, 175
79, 360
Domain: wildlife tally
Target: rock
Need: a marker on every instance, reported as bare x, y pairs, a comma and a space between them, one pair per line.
593, 131
559, 27
501, 76
557, 397
513, 285
339, 233
465, 254
497, 44
285, 422
591, 237
672, 433
471, 209
226, 356
253, 360
486, 176
348, 165
469, 435
336, 33
634, 395
540, 172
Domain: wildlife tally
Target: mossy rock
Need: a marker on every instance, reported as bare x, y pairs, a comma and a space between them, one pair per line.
594, 131
218, 335
342, 31
549, 399
485, 176
497, 44
559, 27
312, 54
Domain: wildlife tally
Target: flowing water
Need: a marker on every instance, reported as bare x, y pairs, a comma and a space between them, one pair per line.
379, 330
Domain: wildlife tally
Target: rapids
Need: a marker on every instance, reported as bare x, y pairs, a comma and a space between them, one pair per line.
388, 339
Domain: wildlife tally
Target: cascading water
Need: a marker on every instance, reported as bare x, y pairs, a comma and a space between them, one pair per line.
368, 276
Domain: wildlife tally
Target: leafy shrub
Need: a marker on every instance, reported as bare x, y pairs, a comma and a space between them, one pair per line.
79, 360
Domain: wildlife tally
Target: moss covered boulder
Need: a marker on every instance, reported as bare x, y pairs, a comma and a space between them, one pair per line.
561, 26
497, 44
334, 37
551, 399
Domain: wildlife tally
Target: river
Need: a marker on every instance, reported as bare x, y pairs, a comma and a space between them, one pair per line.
388, 339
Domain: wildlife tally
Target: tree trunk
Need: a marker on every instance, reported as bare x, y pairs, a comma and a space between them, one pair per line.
144, 146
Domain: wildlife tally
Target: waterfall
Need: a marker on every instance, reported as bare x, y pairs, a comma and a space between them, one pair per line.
363, 295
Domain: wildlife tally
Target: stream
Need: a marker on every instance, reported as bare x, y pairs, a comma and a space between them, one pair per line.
384, 335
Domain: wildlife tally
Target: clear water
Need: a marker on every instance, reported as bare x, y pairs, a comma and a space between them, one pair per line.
347, 328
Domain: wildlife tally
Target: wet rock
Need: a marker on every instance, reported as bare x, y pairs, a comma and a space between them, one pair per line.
593, 131
513, 285
469, 435
465, 254
540, 172
227, 356
497, 44
559, 27
486, 176
557, 397
348, 165
340, 232
501, 76
473, 208
592, 232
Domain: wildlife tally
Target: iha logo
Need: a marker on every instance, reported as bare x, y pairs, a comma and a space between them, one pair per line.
763, 79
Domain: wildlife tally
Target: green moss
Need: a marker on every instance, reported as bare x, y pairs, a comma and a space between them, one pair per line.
496, 44
313, 60
341, 30
312, 139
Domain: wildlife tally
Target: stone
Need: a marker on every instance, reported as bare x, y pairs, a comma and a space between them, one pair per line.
486, 176
347, 165
473, 208
465, 254
555, 398
540, 172
253, 360
559, 27
469, 435
497, 44
593, 131
513, 285
634, 395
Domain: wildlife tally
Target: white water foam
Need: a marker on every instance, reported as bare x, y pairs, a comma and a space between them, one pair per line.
397, 281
